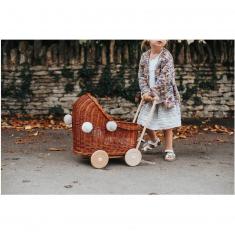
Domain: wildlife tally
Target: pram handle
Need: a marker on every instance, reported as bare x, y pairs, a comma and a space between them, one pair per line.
138, 110
148, 121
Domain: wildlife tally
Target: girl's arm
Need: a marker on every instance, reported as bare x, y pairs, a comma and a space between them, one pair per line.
143, 82
159, 91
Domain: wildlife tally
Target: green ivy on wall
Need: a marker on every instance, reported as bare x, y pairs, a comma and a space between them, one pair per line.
67, 73
69, 87
18, 91
56, 111
109, 85
26, 77
85, 80
200, 83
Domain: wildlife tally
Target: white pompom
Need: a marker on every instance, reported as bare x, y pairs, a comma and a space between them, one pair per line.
68, 119
111, 126
87, 127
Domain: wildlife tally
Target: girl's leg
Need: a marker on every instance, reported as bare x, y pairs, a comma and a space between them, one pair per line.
153, 143
168, 134
152, 135
170, 155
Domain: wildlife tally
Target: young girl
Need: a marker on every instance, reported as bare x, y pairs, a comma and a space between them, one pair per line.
157, 81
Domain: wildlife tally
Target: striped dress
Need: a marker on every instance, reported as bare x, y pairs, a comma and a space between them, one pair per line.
163, 118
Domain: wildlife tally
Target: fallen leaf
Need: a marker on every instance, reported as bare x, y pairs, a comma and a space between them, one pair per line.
37, 125
6, 125
182, 137
28, 127
56, 149
36, 133
19, 141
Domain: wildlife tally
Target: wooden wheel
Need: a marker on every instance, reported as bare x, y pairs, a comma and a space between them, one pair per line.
99, 159
133, 157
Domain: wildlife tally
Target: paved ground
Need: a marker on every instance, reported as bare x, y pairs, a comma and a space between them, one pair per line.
203, 166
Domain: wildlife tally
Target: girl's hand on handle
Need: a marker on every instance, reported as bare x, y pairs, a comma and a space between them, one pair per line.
146, 97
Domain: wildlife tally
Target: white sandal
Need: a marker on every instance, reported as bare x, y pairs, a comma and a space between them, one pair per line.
149, 145
170, 155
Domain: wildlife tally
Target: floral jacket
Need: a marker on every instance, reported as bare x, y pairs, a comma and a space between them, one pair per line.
165, 89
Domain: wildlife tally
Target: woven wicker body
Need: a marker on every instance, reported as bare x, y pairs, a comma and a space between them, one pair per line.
116, 143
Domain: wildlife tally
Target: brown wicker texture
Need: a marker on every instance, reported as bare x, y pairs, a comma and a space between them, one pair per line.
116, 143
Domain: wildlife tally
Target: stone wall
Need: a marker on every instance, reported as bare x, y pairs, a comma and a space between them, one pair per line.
47, 77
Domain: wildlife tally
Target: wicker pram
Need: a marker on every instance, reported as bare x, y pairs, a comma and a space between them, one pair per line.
101, 144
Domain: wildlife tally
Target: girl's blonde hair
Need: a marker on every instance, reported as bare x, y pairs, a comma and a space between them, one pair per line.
145, 45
